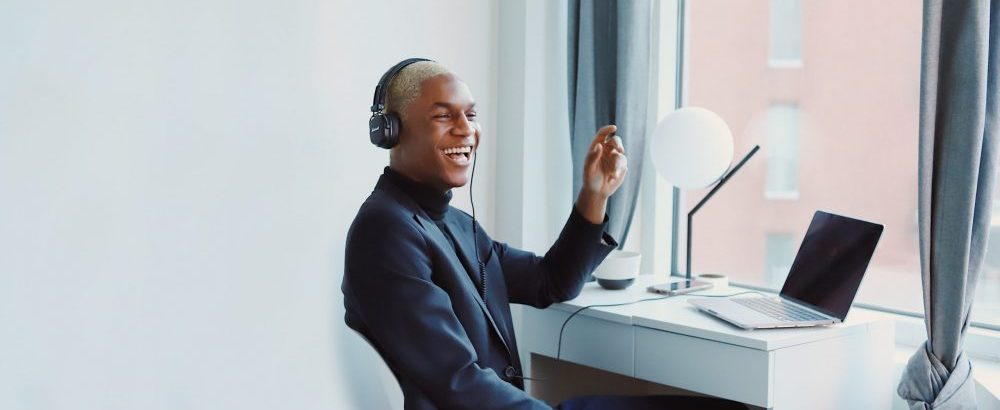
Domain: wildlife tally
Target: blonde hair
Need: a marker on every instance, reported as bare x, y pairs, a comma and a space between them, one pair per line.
405, 86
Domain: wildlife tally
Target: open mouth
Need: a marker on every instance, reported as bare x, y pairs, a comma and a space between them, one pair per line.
458, 155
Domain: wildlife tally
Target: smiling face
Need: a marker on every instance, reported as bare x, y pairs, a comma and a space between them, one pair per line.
439, 134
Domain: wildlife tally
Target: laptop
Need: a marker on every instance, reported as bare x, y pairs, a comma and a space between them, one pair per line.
821, 284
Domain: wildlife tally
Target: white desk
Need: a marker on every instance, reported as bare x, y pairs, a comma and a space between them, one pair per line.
845, 366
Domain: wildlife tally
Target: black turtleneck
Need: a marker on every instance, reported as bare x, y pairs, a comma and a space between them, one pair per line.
432, 201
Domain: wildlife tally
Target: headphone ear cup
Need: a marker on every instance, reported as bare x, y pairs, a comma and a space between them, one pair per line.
383, 130
377, 129
392, 130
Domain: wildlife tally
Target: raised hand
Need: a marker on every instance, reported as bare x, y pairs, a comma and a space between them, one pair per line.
604, 171
606, 165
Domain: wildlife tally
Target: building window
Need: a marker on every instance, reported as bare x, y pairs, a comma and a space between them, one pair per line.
786, 33
781, 148
779, 251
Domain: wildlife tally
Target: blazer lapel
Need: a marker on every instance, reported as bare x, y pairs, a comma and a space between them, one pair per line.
438, 236
468, 246
467, 250
462, 262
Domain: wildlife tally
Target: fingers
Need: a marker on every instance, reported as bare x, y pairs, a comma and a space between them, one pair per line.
594, 153
602, 136
613, 149
606, 159
606, 165
605, 131
614, 144
615, 165
593, 157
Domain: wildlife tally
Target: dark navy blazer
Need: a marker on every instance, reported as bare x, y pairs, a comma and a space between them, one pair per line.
415, 297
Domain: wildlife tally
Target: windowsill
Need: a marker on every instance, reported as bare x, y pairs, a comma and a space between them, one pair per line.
987, 374
788, 63
781, 195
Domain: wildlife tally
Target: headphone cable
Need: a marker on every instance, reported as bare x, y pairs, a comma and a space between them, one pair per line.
475, 238
475, 232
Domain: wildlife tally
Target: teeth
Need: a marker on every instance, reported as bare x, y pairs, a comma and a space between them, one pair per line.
458, 150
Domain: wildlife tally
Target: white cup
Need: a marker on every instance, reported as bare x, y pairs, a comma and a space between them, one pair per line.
619, 269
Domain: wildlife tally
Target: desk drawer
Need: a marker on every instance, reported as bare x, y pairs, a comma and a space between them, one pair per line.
598, 343
703, 366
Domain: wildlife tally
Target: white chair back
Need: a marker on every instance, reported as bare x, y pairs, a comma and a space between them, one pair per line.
384, 377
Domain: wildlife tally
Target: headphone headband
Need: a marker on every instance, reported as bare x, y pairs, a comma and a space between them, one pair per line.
378, 102
383, 127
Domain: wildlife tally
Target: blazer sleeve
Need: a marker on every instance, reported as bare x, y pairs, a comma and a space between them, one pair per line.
388, 281
561, 273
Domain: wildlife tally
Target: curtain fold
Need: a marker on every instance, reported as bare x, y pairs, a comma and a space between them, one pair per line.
609, 69
956, 174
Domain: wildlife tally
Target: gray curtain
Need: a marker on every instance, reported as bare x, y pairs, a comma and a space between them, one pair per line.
957, 164
609, 68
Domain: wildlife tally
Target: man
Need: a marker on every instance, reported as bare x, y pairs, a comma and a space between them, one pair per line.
423, 282
412, 283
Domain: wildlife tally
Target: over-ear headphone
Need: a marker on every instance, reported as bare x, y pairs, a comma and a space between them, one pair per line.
383, 127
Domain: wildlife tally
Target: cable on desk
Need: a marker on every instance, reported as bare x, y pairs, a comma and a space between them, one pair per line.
566, 322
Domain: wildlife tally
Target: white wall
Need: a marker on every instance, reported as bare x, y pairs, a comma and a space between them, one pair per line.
176, 182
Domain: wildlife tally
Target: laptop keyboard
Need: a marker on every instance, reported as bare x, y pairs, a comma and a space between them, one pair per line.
775, 308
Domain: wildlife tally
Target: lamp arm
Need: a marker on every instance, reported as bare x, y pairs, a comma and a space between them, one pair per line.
701, 203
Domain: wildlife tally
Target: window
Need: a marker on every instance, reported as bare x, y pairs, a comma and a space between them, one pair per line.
785, 25
840, 133
780, 253
781, 151
986, 306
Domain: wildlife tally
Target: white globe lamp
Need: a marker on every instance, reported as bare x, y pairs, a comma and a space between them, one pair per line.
692, 148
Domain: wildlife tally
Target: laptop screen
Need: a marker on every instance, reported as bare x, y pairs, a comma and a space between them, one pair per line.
831, 261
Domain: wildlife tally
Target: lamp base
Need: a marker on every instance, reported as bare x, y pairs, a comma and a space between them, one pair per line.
720, 283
